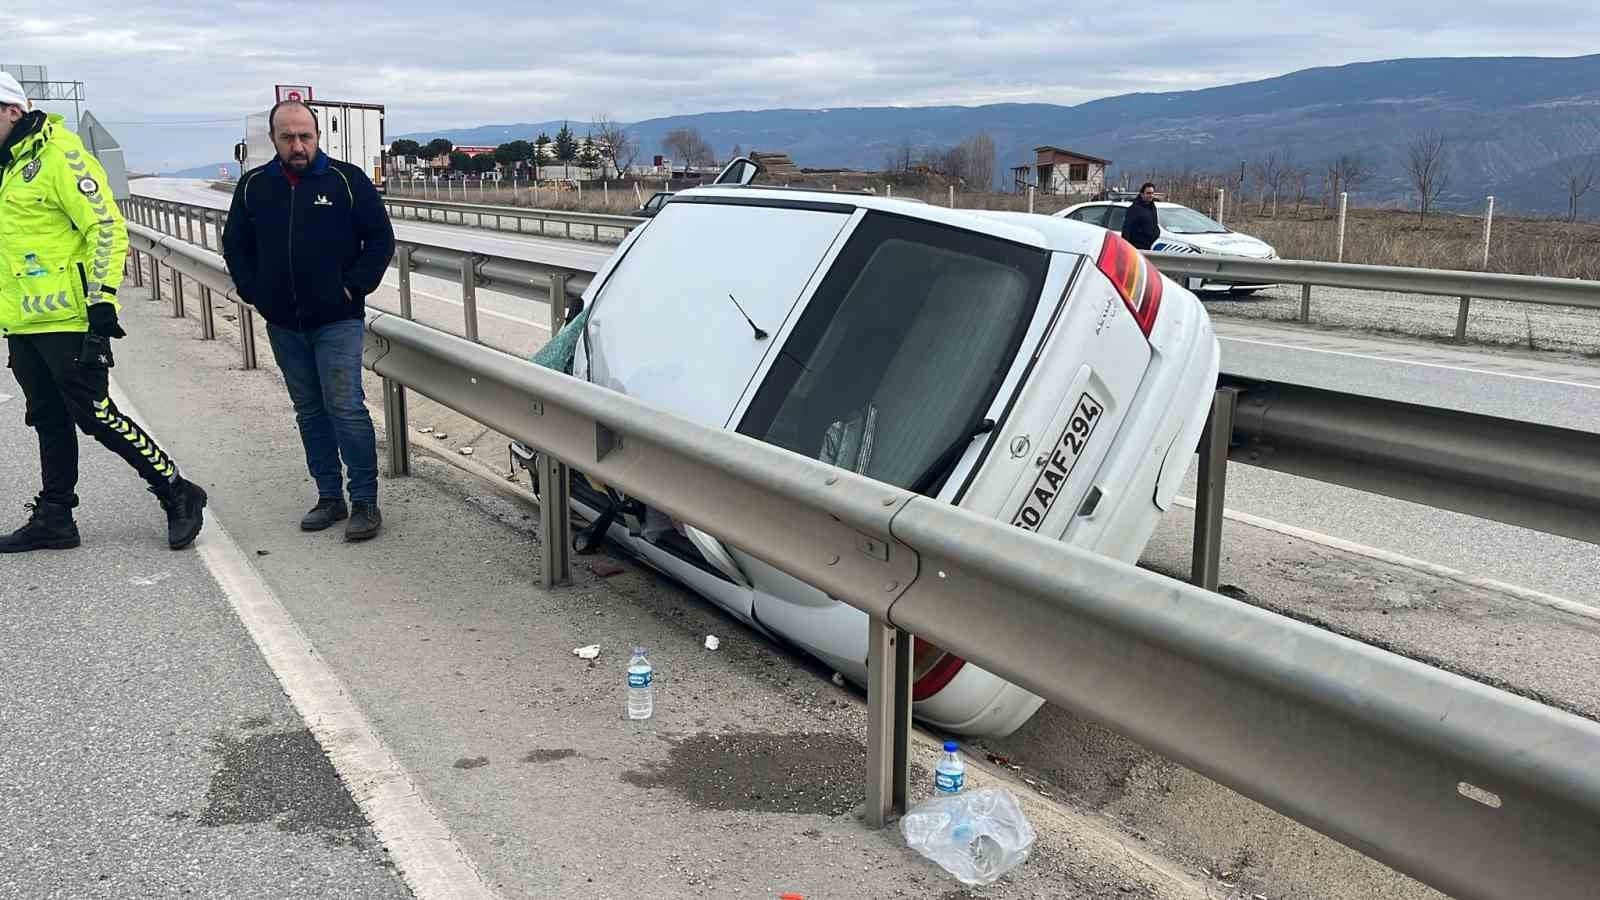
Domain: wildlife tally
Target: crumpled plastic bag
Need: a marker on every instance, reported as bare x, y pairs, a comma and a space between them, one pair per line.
977, 836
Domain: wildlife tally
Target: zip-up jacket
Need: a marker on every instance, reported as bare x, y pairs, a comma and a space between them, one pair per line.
308, 254
62, 239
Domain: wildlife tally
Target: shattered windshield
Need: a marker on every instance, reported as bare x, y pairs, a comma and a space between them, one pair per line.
903, 349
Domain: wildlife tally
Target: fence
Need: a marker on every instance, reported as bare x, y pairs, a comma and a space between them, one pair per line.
1475, 791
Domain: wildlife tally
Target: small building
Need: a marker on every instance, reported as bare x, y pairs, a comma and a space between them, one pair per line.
1062, 172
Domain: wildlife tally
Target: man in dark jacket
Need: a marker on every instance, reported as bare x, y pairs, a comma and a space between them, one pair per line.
307, 240
1140, 227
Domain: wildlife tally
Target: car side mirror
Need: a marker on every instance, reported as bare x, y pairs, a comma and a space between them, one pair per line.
741, 171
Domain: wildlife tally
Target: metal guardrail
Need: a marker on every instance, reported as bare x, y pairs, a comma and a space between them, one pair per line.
1475, 791
495, 217
202, 226
1518, 473
1521, 473
1437, 282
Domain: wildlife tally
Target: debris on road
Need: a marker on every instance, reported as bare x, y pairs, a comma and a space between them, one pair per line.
838, 679
426, 429
466, 451
606, 568
590, 652
439, 436
711, 642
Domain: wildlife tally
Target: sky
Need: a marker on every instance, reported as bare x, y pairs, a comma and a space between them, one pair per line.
173, 81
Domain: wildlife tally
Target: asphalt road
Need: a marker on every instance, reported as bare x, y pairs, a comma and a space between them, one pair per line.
148, 749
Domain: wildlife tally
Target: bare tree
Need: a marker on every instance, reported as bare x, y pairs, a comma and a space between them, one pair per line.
1427, 166
1345, 173
687, 145
979, 171
615, 144
1268, 172
1577, 177
1300, 184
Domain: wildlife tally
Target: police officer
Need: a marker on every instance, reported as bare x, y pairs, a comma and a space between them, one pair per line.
62, 245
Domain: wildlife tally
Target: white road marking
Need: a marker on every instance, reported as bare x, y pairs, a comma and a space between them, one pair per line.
429, 859
1409, 362
459, 305
1399, 559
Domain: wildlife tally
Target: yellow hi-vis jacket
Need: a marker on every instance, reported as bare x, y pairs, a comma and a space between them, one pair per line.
62, 238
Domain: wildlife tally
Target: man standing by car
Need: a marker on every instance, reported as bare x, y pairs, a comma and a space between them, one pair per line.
63, 242
307, 240
1140, 228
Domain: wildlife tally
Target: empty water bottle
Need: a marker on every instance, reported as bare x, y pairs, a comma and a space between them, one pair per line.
950, 776
641, 686
34, 269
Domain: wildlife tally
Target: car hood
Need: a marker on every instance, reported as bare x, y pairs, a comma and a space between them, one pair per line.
1229, 244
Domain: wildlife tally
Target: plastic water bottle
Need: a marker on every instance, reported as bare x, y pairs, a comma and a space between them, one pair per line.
641, 686
950, 776
34, 269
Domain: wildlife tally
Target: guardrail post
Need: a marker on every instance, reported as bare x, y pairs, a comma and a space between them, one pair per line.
888, 722
188, 223
247, 335
403, 263
469, 294
178, 310
555, 521
155, 279
208, 319
138, 269
1461, 319
1305, 303
1211, 489
554, 479
396, 428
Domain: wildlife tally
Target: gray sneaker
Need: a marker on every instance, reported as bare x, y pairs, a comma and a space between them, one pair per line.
365, 521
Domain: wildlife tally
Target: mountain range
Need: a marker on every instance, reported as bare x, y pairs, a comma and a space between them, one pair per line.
1512, 125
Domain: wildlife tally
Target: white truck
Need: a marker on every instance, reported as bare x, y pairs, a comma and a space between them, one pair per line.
351, 132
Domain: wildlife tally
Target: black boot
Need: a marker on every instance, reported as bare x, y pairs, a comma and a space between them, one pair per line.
49, 527
183, 500
365, 521
327, 511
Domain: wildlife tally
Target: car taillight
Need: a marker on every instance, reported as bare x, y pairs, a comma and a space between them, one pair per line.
931, 669
1134, 278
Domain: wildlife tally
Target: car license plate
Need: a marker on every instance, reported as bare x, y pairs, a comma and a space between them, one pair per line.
1058, 468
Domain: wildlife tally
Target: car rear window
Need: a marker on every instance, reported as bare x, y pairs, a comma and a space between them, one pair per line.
902, 350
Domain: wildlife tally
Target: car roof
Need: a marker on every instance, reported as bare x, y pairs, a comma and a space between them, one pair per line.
1030, 229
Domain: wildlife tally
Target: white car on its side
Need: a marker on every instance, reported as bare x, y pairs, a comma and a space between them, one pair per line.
1183, 230
1040, 372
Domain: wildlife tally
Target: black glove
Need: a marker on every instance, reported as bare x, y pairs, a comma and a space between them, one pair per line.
96, 353
103, 321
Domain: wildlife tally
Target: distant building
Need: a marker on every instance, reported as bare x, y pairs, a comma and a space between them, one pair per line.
1062, 172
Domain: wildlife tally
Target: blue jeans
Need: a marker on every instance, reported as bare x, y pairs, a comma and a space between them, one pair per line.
322, 368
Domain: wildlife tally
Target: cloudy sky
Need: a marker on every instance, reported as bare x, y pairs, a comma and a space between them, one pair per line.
174, 80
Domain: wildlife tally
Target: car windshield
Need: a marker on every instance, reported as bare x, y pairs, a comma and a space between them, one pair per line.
1183, 220
902, 350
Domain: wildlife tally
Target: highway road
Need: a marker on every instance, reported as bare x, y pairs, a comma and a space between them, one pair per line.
1543, 388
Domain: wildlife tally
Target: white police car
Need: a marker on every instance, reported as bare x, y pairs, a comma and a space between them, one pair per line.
1183, 230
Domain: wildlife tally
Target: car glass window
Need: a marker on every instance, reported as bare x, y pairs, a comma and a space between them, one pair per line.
1118, 215
902, 349
1183, 220
1094, 215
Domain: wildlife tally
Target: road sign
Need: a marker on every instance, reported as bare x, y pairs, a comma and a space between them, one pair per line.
300, 92
241, 152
